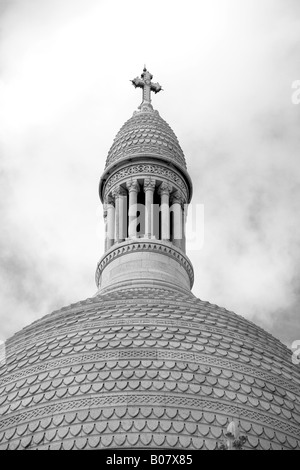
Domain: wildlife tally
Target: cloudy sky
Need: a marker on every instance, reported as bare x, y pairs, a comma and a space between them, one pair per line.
227, 69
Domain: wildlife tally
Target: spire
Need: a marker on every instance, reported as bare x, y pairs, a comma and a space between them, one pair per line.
145, 83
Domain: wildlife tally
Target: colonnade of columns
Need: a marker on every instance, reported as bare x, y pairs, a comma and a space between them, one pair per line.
124, 216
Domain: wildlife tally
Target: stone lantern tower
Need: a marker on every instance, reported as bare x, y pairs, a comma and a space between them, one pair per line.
144, 364
145, 189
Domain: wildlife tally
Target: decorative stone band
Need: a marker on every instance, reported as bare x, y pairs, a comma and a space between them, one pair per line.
161, 320
149, 399
249, 366
88, 361
145, 246
145, 171
201, 327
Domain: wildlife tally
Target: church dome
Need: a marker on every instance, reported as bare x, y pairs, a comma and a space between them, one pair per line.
144, 363
146, 133
146, 368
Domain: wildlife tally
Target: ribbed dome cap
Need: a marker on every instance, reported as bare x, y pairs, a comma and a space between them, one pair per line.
148, 134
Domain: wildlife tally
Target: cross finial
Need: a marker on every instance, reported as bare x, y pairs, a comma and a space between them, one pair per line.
145, 83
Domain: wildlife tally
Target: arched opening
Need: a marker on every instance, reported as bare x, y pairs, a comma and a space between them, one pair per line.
156, 220
172, 226
141, 213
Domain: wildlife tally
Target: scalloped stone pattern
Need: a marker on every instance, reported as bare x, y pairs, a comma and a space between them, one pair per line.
146, 368
146, 133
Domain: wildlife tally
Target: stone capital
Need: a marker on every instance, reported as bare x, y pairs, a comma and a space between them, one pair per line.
133, 185
177, 198
109, 201
165, 188
119, 191
149, 184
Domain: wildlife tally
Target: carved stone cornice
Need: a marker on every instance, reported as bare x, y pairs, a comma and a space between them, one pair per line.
146, 170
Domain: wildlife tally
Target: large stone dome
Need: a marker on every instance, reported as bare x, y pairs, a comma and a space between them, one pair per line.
146, 368
144, 363
146, 133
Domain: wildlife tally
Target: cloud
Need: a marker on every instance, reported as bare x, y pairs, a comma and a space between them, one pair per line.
227, 70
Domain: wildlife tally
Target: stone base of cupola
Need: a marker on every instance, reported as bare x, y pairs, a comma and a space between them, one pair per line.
144, 262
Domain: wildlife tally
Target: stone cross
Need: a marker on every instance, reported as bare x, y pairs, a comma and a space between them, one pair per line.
145, 83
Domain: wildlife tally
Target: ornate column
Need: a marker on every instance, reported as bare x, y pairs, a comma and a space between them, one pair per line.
133, 189
110, 225
184, 216
105, 224
177, 202
149, 186
164, 192
120, 194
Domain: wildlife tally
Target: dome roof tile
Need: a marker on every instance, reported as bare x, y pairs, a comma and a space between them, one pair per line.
67, 444
39, 437
264, 444
49, 435
210, 444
